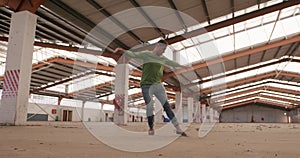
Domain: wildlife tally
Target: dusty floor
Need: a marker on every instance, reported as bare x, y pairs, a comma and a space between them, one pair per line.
72, 140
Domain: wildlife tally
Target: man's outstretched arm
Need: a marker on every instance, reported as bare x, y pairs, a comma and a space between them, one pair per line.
121, 50
129, 53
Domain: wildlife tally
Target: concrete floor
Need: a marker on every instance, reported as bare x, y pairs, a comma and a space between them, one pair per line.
58, 139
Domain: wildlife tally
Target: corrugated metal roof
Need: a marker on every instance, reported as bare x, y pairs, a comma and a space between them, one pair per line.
68, 22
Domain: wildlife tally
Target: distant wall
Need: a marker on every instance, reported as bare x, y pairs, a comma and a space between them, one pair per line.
38, 111
254, 113
89, 114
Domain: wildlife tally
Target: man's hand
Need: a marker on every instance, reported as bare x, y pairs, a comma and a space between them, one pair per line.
121, 50
123, 59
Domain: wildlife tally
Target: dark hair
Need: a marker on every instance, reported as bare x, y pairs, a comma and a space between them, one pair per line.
163, 42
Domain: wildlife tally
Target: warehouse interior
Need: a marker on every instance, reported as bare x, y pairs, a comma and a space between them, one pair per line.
58, 68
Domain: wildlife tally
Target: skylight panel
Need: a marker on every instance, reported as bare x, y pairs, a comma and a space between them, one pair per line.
239, 101
187, 43
254, 22
290, 67
225, 44
284, 86
274, 100
42, 99
271, 17
287, 12
220, 19
237, 96
192, 55
178, 46
290, 25
251, 9
290, 96
279, 96
272, 2
257, 35
221, 32
58, 88
242, 40
278, 31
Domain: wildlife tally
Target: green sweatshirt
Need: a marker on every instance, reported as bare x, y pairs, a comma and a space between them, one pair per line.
153, 66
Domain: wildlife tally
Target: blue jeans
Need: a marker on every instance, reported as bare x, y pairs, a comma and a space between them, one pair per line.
159, 92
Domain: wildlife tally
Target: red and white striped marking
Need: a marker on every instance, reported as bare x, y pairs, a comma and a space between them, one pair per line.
11, 83
119, 101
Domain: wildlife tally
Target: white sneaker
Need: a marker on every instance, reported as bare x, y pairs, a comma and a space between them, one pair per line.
151, 132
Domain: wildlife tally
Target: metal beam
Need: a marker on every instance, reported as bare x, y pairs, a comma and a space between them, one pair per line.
21, 5
205, 10
240, 104
234, 56
263, 55
87, 89
285, 59
84, 21
81, 34
249, 89
247, 80
293, 51
42, 16
41, 32
248, 69
257, 93
85, 64
235, 20
277, 51
43, 27
52, 33
255, 100
60, 82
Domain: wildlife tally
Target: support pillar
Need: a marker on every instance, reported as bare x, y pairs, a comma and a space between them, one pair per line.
58, 109
17, 74
158, 111
211, 115
190, 110
82, 111
197, 111
178, 106
203, 109
101, 106
121, 93
216, 116
178, 95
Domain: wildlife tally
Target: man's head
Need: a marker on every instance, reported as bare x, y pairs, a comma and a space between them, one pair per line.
160, 47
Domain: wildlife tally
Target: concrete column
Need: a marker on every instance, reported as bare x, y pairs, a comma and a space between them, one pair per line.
101, 106
190, 110
211, 114
82, 111
17, 74
121, 93
203, 109
58, 111
178, 95
216, 116
178, 106
197, 111
158, 111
